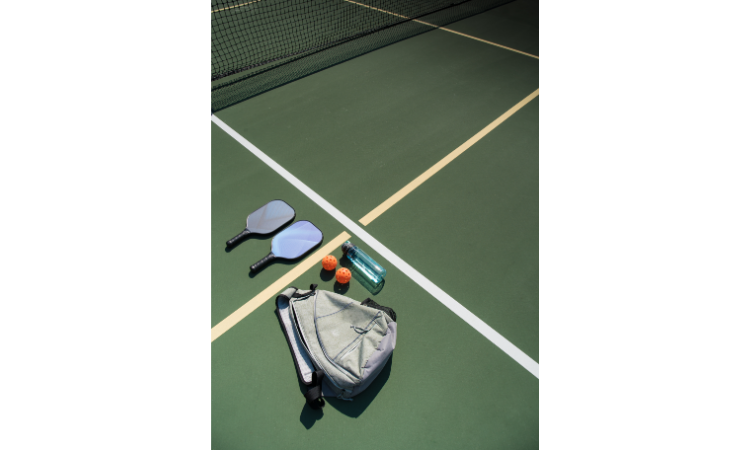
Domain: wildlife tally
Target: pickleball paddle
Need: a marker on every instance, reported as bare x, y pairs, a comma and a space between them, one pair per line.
293, 242
266, 220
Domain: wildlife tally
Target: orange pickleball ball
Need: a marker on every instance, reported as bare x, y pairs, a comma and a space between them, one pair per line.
343, 275
329, 262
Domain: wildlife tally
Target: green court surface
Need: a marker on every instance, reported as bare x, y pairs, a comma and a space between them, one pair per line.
357, 133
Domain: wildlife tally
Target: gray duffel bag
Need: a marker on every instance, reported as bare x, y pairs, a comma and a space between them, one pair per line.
339, 345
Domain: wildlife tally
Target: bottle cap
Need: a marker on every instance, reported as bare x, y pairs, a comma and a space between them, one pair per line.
347, 245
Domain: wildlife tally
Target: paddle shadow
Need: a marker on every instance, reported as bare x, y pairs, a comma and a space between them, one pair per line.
284, 262
254, 237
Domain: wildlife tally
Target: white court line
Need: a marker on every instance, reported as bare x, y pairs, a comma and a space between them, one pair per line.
505, 345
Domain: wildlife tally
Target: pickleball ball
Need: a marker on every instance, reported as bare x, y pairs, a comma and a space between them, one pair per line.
329, 262
343, 275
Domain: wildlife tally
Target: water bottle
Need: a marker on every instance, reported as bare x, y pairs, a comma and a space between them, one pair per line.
367, 266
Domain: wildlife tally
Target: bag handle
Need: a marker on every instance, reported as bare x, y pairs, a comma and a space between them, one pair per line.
314, 395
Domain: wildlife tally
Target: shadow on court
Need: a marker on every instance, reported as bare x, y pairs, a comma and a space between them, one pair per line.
327, 275
367, 284
354, 408
254, 237
284, 262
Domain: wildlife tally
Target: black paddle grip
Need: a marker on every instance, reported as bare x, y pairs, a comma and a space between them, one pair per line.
237, 238
262, 263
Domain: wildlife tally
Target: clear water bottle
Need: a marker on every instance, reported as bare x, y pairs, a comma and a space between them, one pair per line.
367, 266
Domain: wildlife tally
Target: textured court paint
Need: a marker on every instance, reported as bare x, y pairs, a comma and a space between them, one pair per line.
375, 123
488, 42
515, 25
461, 311
355, 125
444, 389
279, 285
403, 192
241, 185
490, 401
487, 229
445, 29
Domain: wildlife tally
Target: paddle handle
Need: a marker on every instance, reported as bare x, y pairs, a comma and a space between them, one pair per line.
237, 238
262, 263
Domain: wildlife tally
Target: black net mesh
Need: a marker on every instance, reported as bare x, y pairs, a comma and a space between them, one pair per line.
258, 45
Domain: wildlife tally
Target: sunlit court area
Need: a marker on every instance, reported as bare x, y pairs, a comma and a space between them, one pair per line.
409, 129
408, 224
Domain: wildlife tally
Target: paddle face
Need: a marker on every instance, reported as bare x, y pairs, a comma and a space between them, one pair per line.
270, 217
296, 240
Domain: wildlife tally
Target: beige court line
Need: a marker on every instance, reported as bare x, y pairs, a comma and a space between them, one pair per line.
381, 10
245, 310
443, 162
235, 6
279, 285
487, 42
445, 29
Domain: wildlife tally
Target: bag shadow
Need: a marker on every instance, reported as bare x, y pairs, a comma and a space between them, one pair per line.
354, 408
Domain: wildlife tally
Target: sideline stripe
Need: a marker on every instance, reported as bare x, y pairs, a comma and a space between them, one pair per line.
235, 6
278, 286
505, 345
488, 42
386, 12
444, 162
444, 29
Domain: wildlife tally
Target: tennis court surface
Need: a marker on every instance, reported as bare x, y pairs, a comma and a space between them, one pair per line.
423, 152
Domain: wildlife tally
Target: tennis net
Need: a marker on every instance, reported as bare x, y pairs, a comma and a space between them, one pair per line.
257, 45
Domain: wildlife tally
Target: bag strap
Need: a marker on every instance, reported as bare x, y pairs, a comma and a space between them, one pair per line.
301, 360
309, 293
314, 395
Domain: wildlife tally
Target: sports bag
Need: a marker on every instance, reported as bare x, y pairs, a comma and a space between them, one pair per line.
339, 345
